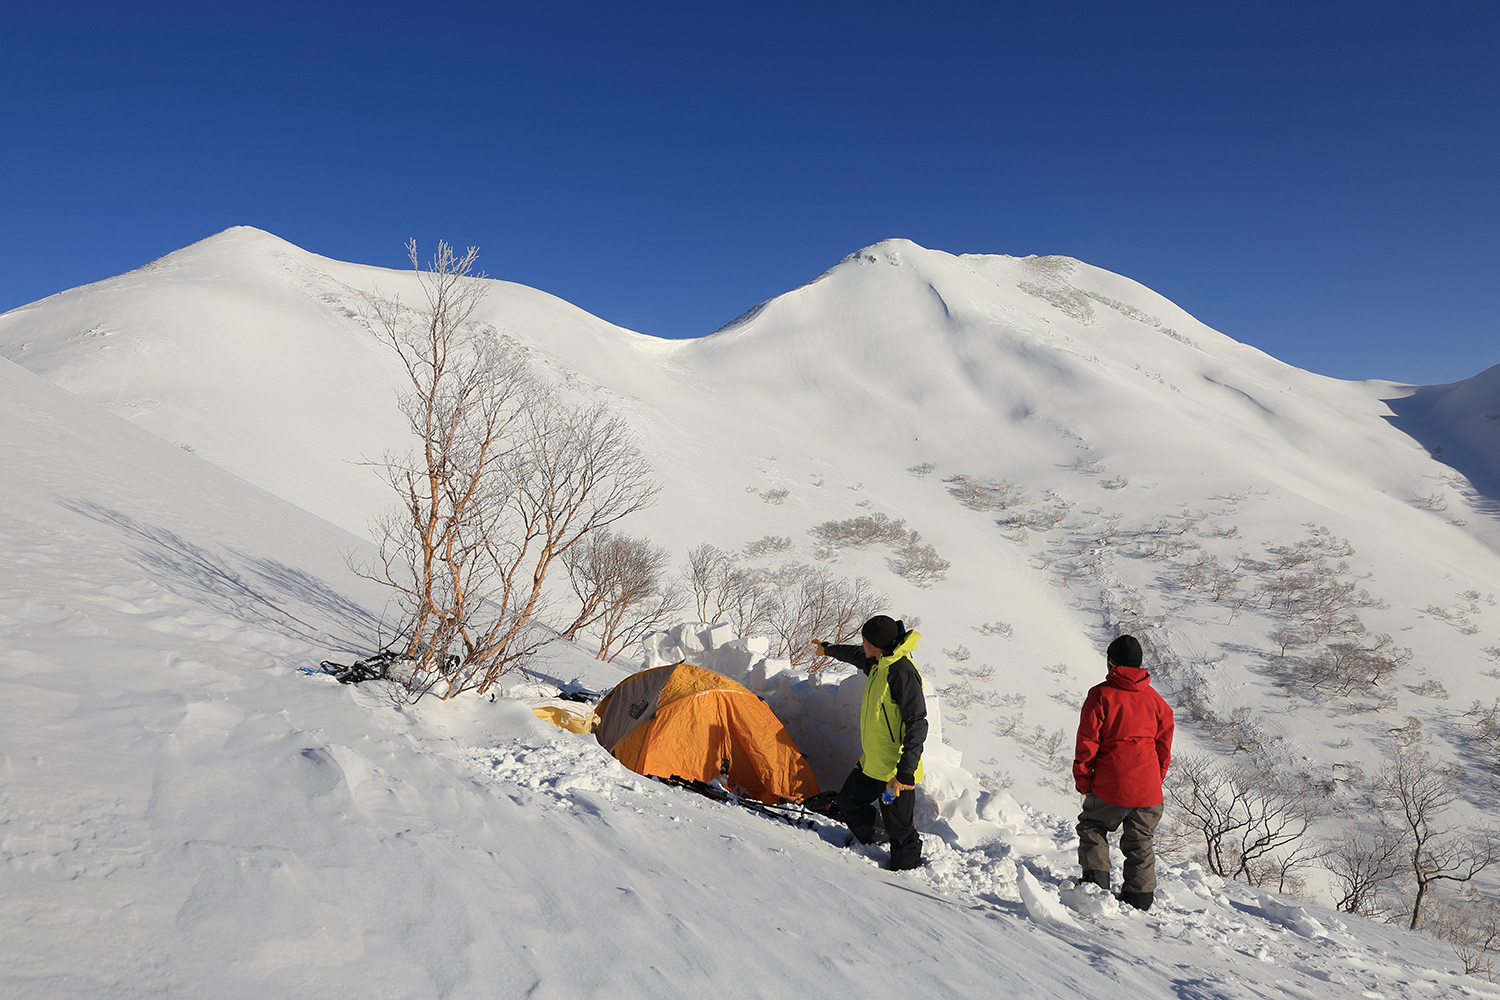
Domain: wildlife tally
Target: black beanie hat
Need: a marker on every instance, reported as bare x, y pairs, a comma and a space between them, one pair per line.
883, 632
1124, 652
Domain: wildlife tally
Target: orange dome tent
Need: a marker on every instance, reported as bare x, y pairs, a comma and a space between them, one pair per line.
687, 721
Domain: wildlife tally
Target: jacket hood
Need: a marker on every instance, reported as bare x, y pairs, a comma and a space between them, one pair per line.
1129, 678
906, 645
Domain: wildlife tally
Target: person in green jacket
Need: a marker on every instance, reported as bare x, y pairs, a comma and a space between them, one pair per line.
892, 730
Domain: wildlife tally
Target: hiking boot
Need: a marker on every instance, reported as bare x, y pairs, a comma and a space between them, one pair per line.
871, 835
1101, 879
904, 862
825, 804
1140, 900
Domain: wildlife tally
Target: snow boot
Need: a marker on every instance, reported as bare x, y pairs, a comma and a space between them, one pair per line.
869, 835
904, 862
1101, 879
1140, 900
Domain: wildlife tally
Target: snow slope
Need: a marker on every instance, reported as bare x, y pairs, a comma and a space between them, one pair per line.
184, 812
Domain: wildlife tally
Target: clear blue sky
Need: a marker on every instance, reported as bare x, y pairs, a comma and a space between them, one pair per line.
1317, 179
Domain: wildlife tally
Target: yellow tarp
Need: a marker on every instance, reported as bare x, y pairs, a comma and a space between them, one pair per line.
564, 719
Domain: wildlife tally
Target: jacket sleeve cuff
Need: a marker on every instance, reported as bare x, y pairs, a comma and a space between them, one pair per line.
906, 777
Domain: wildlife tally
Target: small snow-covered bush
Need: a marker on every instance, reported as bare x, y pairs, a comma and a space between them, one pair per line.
920, 563
977, 495
862, 531
769, 545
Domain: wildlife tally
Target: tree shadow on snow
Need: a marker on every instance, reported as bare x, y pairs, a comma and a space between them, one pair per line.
251, 589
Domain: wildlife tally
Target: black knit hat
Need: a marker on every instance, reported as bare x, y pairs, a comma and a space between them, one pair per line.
883, 632
1124, 652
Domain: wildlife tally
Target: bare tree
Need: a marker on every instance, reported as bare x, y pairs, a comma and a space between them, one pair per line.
1471, 926
622, 589
506, 479
1250, 819
1423, 789
811, 603
794, 603
723, 590
1361, 864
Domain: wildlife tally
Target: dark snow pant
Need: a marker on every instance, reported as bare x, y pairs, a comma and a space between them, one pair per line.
1099, 819
856, 801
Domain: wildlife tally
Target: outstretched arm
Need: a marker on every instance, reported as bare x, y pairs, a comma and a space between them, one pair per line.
854, 655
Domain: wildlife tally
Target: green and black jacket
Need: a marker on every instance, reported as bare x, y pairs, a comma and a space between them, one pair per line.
893, 714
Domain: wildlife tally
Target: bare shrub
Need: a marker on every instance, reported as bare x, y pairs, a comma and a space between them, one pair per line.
1486, 723
1361, 864
1432, 689
1087, 464
768, 545
508, 479
978, 495
1342, 668
1008, 725
1249, 821
1041, 519
960, 654
920, 563
922, 471
794, 603
1422, 789
1220, 581
959, 695
1242, 733
1318, 604
996, 628
809, 602
777, 496
623, 590
1471, 926
725, 591
1052, 746
860, 532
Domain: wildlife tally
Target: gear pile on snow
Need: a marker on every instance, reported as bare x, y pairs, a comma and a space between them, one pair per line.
371, 668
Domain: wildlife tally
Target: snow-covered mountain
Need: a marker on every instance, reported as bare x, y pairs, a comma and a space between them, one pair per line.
183, 811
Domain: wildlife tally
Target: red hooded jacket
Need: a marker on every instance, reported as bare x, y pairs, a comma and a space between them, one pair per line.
1124, 740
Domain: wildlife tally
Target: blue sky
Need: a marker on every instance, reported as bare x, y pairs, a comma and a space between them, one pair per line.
1316, 179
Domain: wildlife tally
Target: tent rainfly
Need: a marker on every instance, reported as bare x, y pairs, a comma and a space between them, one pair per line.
686, 721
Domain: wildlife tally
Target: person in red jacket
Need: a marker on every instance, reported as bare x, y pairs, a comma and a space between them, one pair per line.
1124, 747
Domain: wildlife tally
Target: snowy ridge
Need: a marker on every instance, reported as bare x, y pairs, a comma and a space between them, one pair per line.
184, 811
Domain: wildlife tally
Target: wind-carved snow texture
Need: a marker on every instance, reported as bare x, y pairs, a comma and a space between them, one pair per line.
184, 812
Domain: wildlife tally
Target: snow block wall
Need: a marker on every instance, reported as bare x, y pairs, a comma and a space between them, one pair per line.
821, 712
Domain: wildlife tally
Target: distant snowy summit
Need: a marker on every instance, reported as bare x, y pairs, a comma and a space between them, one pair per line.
234, 344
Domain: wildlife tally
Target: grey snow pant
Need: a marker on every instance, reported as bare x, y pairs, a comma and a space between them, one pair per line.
1099, 819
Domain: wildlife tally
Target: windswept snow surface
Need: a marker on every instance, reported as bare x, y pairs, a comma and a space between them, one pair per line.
184, 812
